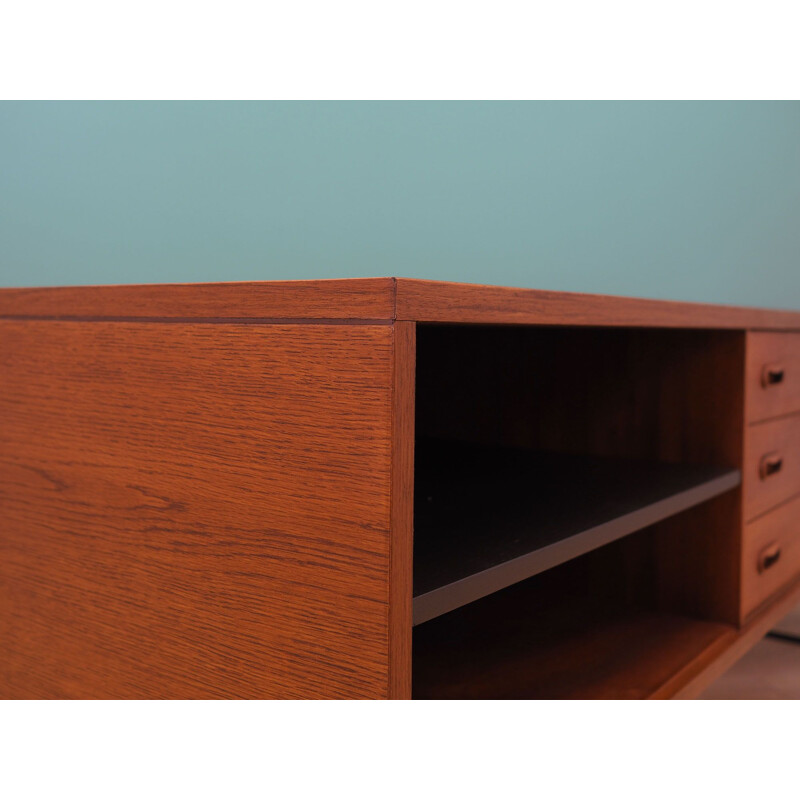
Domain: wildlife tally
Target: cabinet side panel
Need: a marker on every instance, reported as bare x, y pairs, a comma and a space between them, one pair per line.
194, 510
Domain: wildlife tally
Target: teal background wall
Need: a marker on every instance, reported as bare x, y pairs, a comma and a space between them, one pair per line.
691, 201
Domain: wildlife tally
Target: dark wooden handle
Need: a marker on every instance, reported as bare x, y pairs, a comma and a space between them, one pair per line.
771, 375
769, 465
768, 556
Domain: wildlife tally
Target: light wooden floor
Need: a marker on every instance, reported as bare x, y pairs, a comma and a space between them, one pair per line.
770, 671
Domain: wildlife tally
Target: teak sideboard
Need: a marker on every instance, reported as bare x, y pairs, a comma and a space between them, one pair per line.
390, 488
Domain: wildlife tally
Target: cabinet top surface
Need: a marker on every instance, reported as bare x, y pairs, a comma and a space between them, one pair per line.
376, 301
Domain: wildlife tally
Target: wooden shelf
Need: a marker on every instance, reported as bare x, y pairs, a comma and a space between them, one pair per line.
488, 517
513, 645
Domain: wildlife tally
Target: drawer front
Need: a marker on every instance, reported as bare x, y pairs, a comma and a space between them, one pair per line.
772, 464
773, 375
771, 553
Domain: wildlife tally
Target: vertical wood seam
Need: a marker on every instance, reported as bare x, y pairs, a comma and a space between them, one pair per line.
401, 510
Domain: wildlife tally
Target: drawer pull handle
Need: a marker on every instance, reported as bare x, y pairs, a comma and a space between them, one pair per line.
768, 556
771, 375
769, 465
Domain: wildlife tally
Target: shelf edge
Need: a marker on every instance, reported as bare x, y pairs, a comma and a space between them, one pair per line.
432, 604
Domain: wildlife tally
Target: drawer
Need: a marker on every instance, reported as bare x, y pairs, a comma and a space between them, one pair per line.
771, 554
772, 464
773, 375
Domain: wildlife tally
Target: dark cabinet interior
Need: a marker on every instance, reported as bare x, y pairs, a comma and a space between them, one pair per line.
577, 508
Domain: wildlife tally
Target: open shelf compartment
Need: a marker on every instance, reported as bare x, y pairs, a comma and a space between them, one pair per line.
548, 638
577, 509
487, 517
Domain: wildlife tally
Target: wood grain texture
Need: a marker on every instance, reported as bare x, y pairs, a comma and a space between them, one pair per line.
541, 640
673, 396
715, 649
488, 517
194, 510
348, 299
198, 499
782, 351
698, 560
665, 395
586, 629
770, 671
381, 299
735, 647
780, 531
778, 440
433, 301
402, 511
629, 656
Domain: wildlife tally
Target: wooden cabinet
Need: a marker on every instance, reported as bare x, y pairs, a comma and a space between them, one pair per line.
389, 488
